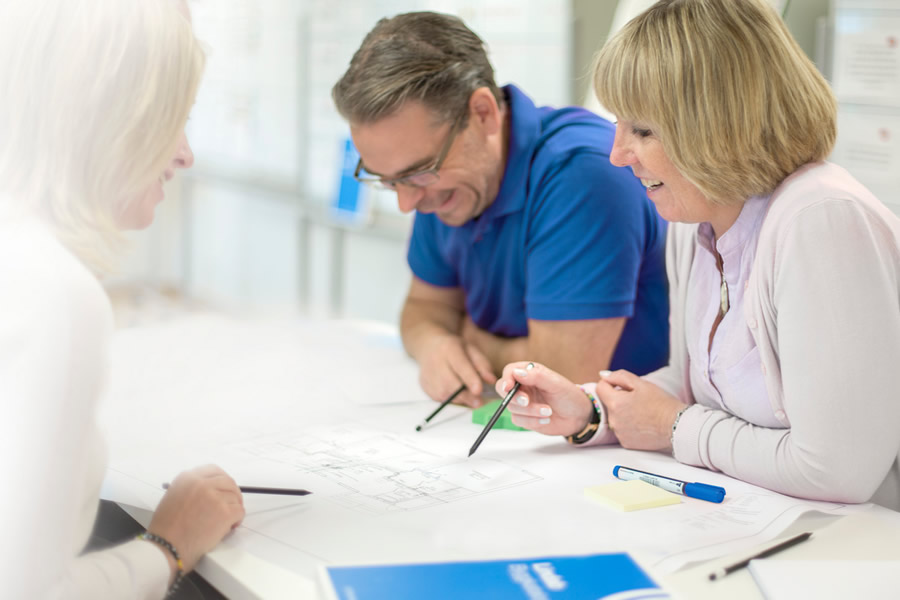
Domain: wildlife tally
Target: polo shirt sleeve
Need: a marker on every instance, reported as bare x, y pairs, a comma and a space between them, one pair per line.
424, 255
588, 227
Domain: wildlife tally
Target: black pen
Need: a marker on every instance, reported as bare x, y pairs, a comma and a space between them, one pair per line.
719, 573
441, 407
497, 414
249, 489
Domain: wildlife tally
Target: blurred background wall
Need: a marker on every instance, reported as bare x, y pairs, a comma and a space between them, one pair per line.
253, 226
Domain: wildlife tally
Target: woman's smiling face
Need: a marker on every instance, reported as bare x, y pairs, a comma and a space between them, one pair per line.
675, 197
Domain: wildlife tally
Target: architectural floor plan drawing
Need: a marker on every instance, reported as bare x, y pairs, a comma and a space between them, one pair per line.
376, 472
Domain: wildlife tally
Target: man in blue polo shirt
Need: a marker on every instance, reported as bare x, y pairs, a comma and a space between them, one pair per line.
527, 244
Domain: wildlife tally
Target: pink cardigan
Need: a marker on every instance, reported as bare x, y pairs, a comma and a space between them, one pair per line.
823, 306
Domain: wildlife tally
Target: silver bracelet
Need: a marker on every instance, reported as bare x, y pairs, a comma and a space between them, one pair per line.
674, 425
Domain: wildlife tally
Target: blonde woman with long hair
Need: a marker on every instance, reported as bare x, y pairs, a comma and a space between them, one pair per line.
94, 96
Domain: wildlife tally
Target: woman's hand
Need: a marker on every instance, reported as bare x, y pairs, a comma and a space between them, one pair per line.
546, 402
640, 413
200, 507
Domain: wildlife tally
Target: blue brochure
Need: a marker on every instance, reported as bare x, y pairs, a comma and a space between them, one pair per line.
611, 576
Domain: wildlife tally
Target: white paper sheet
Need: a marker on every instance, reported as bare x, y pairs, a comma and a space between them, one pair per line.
826, 579
259, 400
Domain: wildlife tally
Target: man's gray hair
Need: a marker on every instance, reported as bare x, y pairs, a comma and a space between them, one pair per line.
422, 56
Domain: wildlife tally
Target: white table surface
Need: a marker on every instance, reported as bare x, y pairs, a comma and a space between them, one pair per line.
219, 374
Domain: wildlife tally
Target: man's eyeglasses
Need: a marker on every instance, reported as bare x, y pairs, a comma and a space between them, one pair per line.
418, 179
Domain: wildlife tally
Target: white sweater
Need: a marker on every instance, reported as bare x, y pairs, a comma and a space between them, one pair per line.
55, 324
823, 306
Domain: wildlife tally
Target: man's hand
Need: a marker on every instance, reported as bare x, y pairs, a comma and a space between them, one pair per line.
446, 362
431, 326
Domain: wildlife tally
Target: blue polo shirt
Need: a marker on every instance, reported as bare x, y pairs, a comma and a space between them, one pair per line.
569, 237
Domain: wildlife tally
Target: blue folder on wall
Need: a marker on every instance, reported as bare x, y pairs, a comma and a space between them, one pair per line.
350, 204
609, 576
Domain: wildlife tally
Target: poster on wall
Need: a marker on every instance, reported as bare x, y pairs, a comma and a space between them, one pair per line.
868, 145
866, 67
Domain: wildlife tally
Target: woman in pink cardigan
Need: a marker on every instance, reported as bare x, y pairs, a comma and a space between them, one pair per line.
784, 270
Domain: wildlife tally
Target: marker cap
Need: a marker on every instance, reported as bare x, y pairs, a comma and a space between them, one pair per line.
703, 491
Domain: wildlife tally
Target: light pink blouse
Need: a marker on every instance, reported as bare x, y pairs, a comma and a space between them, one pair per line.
727, 376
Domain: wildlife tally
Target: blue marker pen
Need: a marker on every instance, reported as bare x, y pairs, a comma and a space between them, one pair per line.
702, 491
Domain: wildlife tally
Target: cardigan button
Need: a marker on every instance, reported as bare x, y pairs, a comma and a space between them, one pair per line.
752, 323
762, 368
779, 414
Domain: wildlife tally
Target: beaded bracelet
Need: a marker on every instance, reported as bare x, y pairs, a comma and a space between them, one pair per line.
164, 543
674, 425
594, 400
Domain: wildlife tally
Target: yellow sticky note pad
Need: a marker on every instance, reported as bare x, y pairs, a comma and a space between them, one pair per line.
631, 495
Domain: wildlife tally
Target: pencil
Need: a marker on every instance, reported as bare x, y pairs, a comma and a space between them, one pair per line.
440, 407
497, 413
249, 489
768, 552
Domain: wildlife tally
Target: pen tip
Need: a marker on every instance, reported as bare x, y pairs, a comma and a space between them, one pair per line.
471, 452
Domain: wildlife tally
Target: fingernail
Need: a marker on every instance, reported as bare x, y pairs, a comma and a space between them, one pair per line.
520, 372
503, 388
544, 421
546, 411
604, 374
522, 400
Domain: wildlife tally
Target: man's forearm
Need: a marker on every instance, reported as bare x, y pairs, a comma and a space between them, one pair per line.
576, 349
500, 351
509, 350
422, 320
580, 369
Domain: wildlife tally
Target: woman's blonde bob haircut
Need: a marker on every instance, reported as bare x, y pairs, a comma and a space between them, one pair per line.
733, 99
94, 96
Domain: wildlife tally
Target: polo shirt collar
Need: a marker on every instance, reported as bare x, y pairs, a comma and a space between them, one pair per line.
524, 131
